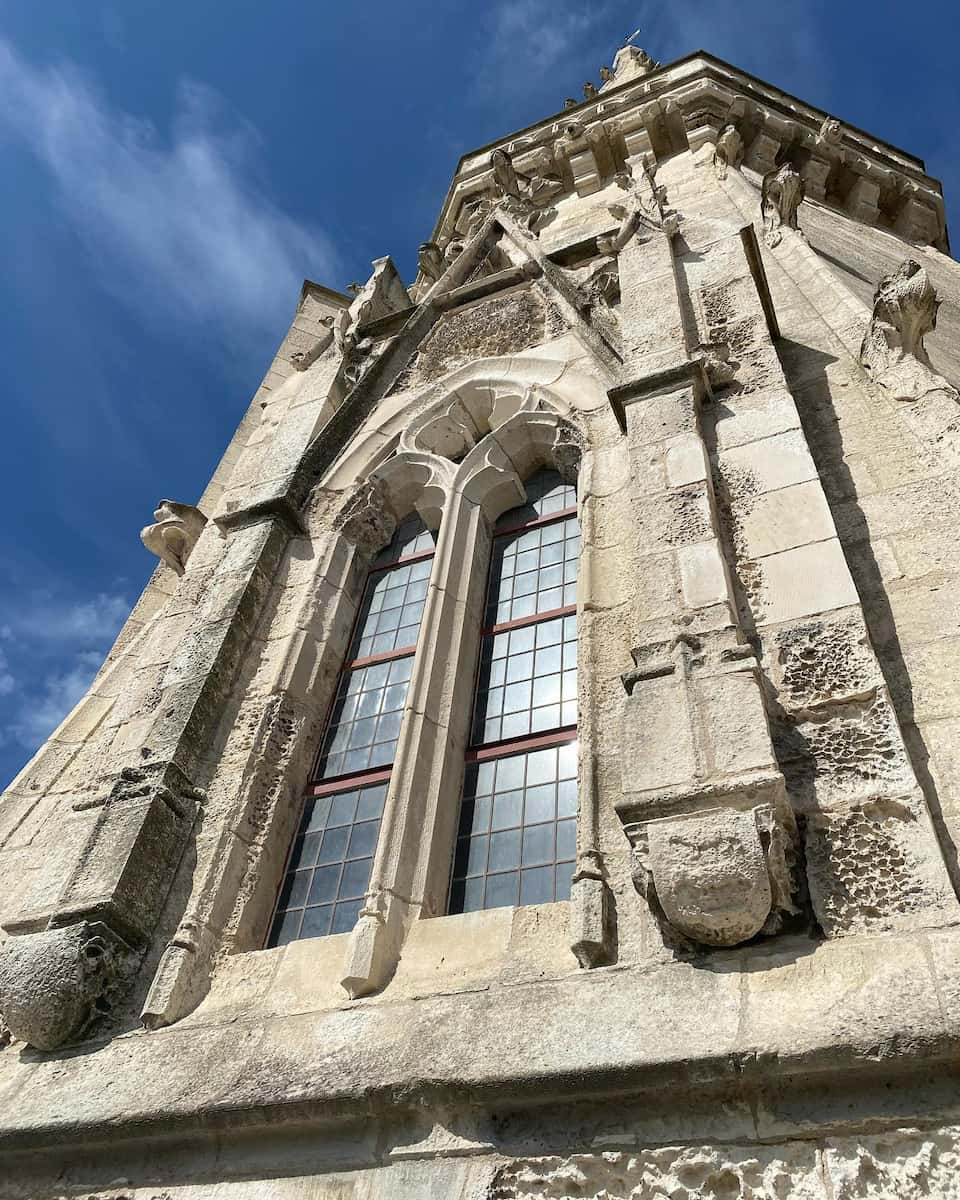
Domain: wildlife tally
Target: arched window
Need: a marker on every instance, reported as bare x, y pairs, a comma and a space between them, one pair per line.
329, 867
517, 832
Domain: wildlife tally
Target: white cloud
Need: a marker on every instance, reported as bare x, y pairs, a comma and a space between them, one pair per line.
39, 715
81, 623
7, 681
530, 37
176, 221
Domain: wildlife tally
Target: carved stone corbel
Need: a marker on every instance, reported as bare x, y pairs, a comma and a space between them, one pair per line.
704, 804
729, 151
780, 198
174, 533
53, 984
366, 519
905, 308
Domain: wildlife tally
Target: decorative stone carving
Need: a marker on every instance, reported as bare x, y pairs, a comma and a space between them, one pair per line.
645, 205
174, 533
365, 519
831, 133
606, 75
718, 875
570, 103
905, 308
54, 983
589, 90
780, 198
568, 448
729, 151
431, 261
527, 196
304, 359
704, 804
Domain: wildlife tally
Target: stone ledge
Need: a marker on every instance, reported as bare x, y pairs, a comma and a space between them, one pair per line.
872, 1007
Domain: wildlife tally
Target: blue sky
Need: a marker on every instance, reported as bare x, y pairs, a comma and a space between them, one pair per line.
172, 171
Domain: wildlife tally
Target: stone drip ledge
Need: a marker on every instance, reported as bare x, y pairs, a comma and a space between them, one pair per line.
739, 1020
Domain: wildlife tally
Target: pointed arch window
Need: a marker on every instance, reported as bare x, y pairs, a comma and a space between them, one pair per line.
329, 866
516, 841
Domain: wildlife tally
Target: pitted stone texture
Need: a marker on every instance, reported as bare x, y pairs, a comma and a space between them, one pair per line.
694, 1173
503, 325
52, 984
874, 867
906, 1164
824, 660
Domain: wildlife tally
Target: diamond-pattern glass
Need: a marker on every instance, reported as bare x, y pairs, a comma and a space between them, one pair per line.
533, 571
527, 681
518, 830
365, 721
329, 868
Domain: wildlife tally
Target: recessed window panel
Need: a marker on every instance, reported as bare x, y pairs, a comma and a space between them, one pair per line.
527, 681
329, 869
517, 835
391, 609
365, 719
533, 571
547, 493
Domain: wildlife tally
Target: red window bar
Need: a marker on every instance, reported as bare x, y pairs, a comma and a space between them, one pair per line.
329, 866
517, 835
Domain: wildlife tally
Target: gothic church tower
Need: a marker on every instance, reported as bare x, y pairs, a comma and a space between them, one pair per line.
531, 769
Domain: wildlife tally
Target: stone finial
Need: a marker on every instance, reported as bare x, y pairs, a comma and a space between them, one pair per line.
831, 132
729, 151
174, 533
905, 308
570, 103
780, 198
589, 90
606, 75
630, 62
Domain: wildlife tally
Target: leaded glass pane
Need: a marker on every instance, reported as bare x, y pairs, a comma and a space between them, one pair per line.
365, 720
533, 571
527, 681
518, 830
411, 537
547, 493
391, 610
329, 868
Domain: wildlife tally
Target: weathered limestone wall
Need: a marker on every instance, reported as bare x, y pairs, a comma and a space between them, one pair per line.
753, 991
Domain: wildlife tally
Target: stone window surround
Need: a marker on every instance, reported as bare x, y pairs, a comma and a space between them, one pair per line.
410, 874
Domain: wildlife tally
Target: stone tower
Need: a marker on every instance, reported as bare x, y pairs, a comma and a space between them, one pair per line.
342, 883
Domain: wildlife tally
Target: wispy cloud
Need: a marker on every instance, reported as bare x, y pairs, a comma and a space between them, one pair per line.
528, 38
52, 648
58, 694
177, 218
79, 622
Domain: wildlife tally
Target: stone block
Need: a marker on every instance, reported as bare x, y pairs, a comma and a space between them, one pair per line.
703, 578
803, 582
781, 520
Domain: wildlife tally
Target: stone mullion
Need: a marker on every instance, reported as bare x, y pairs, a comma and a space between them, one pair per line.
411, 866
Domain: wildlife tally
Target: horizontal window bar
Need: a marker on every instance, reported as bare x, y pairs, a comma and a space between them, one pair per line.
553, 737
361, 779
372, 659
403, 562
563, 515
534, 619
